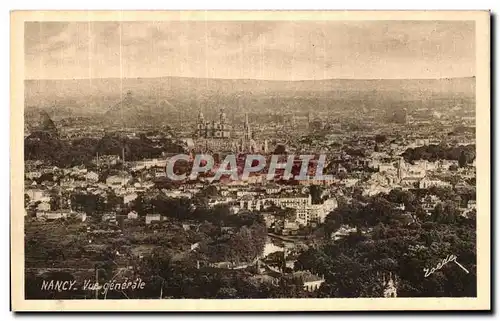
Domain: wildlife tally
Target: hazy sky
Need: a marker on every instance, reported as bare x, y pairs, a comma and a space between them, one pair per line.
281, 50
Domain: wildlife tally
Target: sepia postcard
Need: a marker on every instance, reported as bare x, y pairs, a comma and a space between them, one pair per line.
250, 160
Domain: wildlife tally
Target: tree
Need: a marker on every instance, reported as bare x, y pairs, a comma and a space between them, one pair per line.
88, 203
288, 214
341, 175
471, 215
114, 201
462, 159
316, 194
437, 213
450, 213
421, 214
55, 201
26, 200
356, 266
140, 205
209, 191
159, 267
280, 150
358, 194
226, 293
333, 222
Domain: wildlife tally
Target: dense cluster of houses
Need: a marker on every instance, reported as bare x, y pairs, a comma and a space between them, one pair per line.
386, 171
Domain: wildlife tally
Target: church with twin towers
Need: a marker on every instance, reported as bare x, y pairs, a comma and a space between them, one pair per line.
219, 135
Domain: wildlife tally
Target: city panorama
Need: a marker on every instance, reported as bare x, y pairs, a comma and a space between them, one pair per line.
249, 159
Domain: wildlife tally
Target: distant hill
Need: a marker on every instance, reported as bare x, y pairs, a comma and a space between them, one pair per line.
160, 96
41, 122
131, 111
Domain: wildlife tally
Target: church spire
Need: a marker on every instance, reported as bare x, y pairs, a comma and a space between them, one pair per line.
248, 131
222, 116
201, 118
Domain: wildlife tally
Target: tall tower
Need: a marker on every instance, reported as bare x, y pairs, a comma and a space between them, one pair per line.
401, 165
247, 130
222, 116
246, 140
201, 118
201, 126
225, 128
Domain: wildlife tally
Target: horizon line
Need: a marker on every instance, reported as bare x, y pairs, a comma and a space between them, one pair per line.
252, 79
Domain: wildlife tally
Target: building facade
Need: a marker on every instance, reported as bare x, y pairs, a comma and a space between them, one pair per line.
220, 129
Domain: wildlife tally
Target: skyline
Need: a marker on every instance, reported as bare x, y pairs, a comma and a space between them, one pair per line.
260, 50
247, 79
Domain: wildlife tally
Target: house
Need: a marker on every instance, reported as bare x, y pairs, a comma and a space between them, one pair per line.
273, 189
36, 194
315, 213
469, 208
269, 219
318, 212
311, 281
291, 201
400, 206
33, 175
254, 179
349, 182
429, 203
218, 200
249, 202
221, 265
177, 194
82, 216
290, 228
410, 181
245, 192
390, 285
375, 188
43, 207
471, 205
418, 170
160, 172
429, 166
92, 177
109, 217
53, 215
312, 180
127, 198
266, 278
150, 218
343, 231
132, 215
386, 167
118, 180
428, 182
462, 185
407, 218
